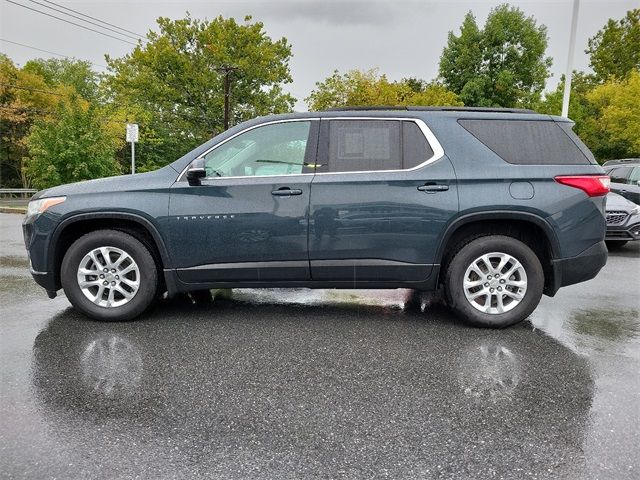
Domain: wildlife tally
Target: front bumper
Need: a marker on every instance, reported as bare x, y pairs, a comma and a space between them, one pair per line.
623, 233
582, 267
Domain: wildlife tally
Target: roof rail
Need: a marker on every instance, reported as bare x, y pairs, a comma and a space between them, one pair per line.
434, 109
621, 161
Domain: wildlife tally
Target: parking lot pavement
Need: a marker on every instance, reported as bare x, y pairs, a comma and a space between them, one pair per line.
319, 384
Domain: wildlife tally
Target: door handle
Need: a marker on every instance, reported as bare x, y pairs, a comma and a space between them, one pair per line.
433, 188
286, 192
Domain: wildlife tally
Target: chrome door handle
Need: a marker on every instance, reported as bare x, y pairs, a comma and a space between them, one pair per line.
286, 192
433, 188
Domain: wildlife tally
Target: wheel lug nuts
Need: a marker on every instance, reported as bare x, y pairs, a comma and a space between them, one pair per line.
497, 275
101, 275
489, 277
113, 283
113, 270
117, 277
486, 284
105, 283
499, 289
501, 281
105, 270
491, 290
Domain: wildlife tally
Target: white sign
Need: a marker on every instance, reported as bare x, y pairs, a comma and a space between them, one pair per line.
132, 132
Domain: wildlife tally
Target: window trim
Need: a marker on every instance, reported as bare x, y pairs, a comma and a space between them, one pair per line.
436, 147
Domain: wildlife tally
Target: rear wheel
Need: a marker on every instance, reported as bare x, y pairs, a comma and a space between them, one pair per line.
494, 281
109, 275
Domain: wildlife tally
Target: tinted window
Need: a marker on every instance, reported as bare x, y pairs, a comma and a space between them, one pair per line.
527, 141
364, 145
620, 174
277, 149
415, 148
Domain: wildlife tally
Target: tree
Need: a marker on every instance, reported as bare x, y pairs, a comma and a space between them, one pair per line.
77, 73
177, 77
502, 65
619, 115
615, 50
73, 145
357, 88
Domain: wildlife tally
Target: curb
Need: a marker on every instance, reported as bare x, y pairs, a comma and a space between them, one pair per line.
18, 210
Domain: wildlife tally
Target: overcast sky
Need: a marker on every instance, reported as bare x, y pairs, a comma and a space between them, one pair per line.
402, 38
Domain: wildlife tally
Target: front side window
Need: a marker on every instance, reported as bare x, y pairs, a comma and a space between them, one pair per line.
277, 149
634, 178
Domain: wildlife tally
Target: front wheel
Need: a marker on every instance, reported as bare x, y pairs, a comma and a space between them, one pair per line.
494, 281
109, 275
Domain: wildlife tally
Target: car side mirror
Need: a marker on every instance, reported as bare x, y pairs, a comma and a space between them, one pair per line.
196, 172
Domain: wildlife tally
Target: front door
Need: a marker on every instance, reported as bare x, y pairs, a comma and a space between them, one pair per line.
248, 220
379, 201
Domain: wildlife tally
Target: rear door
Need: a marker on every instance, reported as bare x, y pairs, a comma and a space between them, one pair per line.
380, 198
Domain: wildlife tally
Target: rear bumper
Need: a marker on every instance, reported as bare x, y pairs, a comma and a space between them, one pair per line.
582, 267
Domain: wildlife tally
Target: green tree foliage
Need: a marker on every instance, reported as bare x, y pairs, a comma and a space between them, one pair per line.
618, 103
72, 146
615, 50
76, 73
176, 79
501, 65
357, 88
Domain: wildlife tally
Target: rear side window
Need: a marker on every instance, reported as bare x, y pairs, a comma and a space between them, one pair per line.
415, 148
364, 145
529, 142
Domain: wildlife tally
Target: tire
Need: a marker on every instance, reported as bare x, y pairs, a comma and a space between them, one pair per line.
615, 245
136, 278
526, 282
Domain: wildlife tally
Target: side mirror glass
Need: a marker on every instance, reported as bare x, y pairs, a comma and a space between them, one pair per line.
196, 172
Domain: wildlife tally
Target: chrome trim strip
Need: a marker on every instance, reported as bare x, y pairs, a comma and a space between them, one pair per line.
243, 265
365, 262
438, 151
35, 272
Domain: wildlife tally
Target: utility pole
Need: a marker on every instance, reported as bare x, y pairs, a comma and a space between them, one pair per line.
227, 70
572, 47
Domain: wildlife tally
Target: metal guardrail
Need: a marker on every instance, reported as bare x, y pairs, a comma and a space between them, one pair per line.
23, 193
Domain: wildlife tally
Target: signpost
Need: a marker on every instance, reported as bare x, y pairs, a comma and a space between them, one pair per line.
132, 136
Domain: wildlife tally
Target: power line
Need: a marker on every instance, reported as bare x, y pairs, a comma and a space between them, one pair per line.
70, 22
56, 114
93, 18
83, 20
50, 53
48, 92
162, 113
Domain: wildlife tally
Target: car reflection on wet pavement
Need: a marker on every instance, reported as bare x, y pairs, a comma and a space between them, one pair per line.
319, 384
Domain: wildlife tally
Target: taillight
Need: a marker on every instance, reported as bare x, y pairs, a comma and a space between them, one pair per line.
592, 185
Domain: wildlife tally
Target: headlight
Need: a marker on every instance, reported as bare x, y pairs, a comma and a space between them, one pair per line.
36, 207
635, 210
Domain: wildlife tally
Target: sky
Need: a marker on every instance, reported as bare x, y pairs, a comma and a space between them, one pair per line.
401, 38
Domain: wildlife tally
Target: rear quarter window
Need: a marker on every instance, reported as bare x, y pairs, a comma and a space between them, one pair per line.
530, 142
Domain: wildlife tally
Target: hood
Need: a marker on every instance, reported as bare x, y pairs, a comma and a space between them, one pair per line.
618, 203
161, 178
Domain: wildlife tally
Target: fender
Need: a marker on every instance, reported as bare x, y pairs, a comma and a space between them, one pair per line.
498, 215
157, 238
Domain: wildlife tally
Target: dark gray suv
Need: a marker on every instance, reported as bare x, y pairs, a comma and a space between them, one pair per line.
496, 206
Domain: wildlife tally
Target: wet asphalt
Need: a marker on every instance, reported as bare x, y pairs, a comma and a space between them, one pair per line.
319, 384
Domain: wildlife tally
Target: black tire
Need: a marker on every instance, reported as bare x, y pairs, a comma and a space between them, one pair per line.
146, 292
615, 245
475, 248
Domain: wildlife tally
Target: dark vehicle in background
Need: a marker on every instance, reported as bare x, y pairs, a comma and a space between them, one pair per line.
495, 206
625, 177
623, 221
